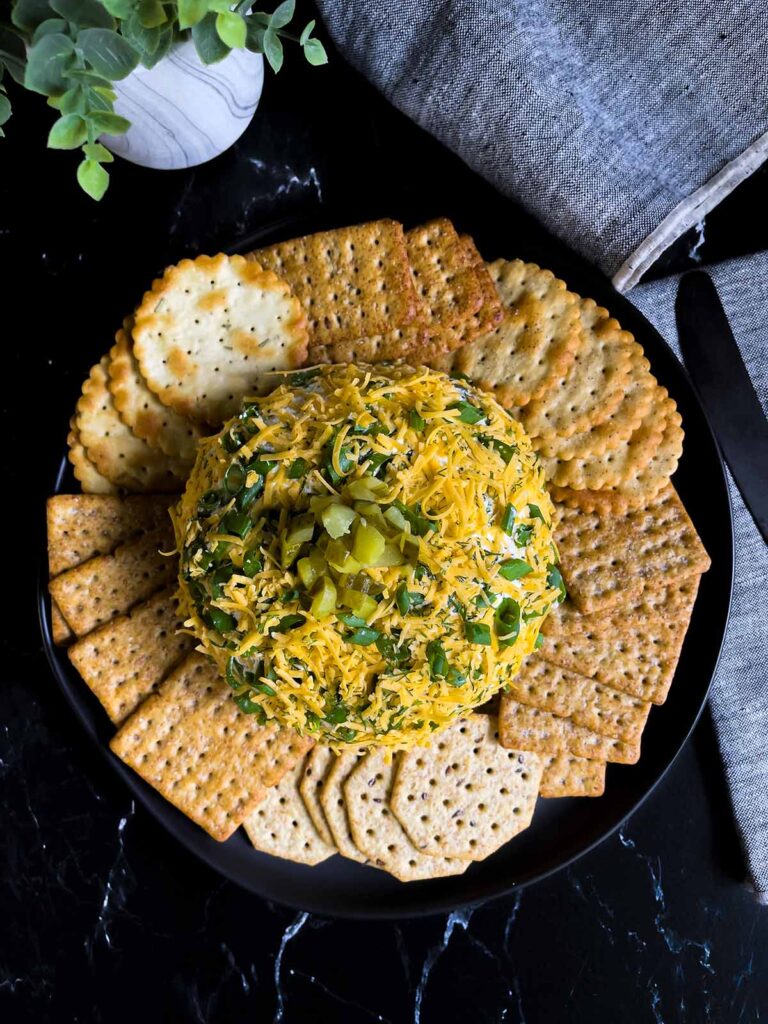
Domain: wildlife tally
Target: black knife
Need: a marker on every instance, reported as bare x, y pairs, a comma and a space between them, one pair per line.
714, 362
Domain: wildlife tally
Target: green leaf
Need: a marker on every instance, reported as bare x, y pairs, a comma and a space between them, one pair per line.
255, 36
45, 28
273, 50
13, 54
307, 32
152, 14
92, 178
191, 11
95, 151
105, 92
89, 78
231, 29
83, 13
315, 53
107, 52
209, 46
28, 14
95, 102
121, 9
69, 132
109, 122
282, 14
73, 101
5, 108
220, 6
164, 43
47, 62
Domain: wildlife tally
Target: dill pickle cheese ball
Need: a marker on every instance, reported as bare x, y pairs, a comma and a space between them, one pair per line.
367, 552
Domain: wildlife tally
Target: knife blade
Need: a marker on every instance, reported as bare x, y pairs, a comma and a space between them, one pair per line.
720, 377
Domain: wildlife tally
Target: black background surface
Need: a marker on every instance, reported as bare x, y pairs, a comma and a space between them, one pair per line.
102, 916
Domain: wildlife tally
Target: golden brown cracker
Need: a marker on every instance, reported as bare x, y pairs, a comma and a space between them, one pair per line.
210, 327
110, 585
60, 631
91, 480
126, 659
607, 559
401, 343
315, 771
526, 728
446, 283
591, 388
566, 775
465, 795
334, 805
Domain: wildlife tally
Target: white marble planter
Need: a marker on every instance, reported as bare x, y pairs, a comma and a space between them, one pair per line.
183, 112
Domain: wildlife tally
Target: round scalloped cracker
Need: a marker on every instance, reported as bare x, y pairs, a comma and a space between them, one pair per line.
465, 795
376, 831
621, 465
594, 385
124, 459
141, 409
209, 327
536, 342
611, 433
91, 479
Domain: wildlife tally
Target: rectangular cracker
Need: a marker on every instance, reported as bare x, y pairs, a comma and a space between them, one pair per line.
633, 647
524, 728
193, 744
446, 282
400, 343
353, 282
82, 526
125, 660
604, 710
110, 585
60, 631
566, 775
608, 559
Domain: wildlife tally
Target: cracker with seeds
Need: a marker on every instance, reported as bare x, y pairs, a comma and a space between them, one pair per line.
605, 437
312, 780
622, 464
376, 831
116, 452
281, 825
591, 388
633, 647
142, 411
526, 728
334, 805
534, 344
566, 775
608, 559
447, 286
401, 343
193, 744
352, 282
82, 526
110, 585
126, 659
606, 711
465, 795
210, 327
90, 479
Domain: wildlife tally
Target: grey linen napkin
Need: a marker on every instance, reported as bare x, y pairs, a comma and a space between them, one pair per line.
739, 700
619, 124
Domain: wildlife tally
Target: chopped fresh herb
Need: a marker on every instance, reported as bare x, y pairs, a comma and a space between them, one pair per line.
337, 714
416, 421
395, 654
234, 478
437, 659
302, 377
221, 576
237, 523
507, 621
348, 735
252, 563
376, 461
364, 636
221, 621
477, 633
506, 451
538, 642
468, 413
514, 569
402, 599
455, 678
556, 581
353, 621
297, 469
250, 707
290, 595
233, 440
418, 523
288, 622
247, 496
535, 512
508, 519
209, 502
523, 535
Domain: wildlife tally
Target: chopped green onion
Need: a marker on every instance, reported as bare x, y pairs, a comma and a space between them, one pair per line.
416, 421
289, 622
313, 721
402, 599
507, 621
232, 440
534, 512
556, 581
523, 535
394, 654
514, 569
437, 659
337, 715
209, 502
261, 466
455, 678
477, 633
412, 515
297, 469
353, 621
250, 707
348, 735
508, 519
506, 451
538, 642
237, 523
420, 572
376, 461
221, 576
234, 478
252, 563
247, 496
364, 636
468, 413
221, 621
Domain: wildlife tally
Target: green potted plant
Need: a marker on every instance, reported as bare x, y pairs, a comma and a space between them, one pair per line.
134, 74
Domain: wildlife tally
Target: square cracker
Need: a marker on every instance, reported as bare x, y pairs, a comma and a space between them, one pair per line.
446, 282
126, 659
608, 712
524, 728
353, 282
465, 795
60, 631
110, 585
633, 647
566, 775
82, 526
608, 559
281, 825
193, 744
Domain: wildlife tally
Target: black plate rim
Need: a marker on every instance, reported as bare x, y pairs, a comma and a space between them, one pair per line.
438, 904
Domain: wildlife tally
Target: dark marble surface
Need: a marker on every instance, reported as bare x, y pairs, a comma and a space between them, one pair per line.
102, 916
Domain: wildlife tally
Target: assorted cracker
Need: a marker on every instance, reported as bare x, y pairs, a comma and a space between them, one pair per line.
334, 805
314, 773
447, 285
281, 825
86, 472
566, 775
465, 795
525, 728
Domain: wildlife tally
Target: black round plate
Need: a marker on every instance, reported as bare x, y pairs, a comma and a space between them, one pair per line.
562, 829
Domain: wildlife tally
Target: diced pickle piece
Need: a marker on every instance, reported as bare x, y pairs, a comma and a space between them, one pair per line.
368, 545
337, 520
340, 558
395, 517
367, 488
311, 568
323, 598
361, 604
390, 555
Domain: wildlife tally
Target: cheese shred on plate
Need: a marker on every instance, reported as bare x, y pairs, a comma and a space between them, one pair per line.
367, 552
